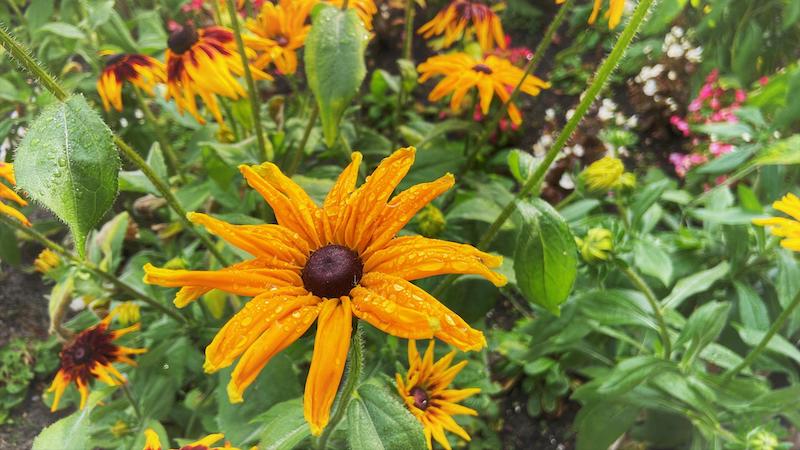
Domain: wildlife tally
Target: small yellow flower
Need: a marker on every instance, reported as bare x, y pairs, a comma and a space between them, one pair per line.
281, 31
489, 75
627, 181
763, 440
127, 313
614, 13
596, 245
120, 428
142, 71
427, 394
46, 261
787, 228
205, 62
7, 173
463, 18
431, 221
604, 174
152, 442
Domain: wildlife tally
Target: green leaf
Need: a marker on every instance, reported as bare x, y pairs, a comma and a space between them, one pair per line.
521, 164
283, 426
694, 284
651, 260
600, 423
703, 327
136, 181
778, 344
335, 67
64, 30
785, 151
70, 433
630, 373
546, 259
752, 310
377, 420
67, 162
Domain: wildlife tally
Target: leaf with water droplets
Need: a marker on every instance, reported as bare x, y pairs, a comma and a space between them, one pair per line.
335, 65
68, 163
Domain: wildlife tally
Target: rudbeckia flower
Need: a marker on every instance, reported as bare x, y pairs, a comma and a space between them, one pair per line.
328, 264
7, 173
46, 261
91, 354
142, 71
604, 174
128, 313
427, 394
789, 229
466, 18
597, 245
283, 30
152, 442
490, 75
205, 62
614, 13
365, 9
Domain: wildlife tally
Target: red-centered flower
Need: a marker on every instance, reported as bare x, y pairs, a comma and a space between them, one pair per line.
463, 18
141, 71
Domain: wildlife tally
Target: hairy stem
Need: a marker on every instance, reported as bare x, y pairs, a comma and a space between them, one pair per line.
408, 39
252, 94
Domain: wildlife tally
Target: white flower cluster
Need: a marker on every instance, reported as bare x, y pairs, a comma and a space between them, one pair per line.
676, 45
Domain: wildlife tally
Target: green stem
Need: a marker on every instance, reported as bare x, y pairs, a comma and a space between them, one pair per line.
172, 160
300, 150
119, 284
567, 200
773, 330
533, 182
252, 94
26, 60
408, 39
350, 384
133, 403
654, 304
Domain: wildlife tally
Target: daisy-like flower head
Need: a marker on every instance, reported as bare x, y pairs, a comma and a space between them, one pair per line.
787, 228
7, 173
142, 71
91, 354
282, 30
604, 174
328, 264
597, 245
427, 394
128, 312
614, 13
152, 442
365, 9
464, 18
490, 75
205, 62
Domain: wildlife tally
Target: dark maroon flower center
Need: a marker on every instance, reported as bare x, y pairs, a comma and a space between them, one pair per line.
282, 41
468, 10
421, 399
332, 271
182, 39
482, 68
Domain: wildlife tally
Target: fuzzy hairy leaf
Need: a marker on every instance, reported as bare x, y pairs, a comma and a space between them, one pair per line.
379, 421
68, 163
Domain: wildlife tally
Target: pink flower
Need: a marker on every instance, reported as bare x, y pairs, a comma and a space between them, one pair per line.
712, 77
695, 105
720, 148
683, 163
763, 81
740, 95
706, 91
680, 124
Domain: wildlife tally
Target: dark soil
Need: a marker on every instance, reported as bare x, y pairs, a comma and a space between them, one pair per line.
521, 431
23, 314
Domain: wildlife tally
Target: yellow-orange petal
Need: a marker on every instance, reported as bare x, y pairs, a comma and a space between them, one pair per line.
415, 257
279, 336
13, 213
331, 345
248, 282
453, 329
392, 316
59, 384
257, 316
151, 440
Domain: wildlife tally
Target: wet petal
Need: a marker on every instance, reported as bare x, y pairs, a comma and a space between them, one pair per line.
247, 282
390, 315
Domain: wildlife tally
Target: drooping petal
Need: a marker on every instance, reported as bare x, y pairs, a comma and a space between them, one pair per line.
248, 282
391, 315
331, 345
207, 441
415, 257
59, 384
151, 440
280, 335
338, 195
453, 329
257, 316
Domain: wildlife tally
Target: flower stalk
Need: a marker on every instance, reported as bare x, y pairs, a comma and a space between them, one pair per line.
172, 160
654, 303
299, 151
252, 94
24, 58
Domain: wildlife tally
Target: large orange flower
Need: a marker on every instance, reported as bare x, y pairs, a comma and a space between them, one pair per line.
464, 18
328, 264
142, 71
7, 173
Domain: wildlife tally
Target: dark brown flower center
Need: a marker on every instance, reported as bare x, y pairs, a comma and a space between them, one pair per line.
115, 58
282, 41
80, 355
182, 39
332, 271
482, 68
421, 399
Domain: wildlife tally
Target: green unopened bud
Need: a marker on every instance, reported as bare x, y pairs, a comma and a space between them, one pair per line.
603, 174
431, 221
763, 440
119, 429
596, 246
627, 181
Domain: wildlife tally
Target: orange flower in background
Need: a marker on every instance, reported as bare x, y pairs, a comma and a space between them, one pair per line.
205, 62
789, 229
328, 264
142, 71
7, 173
427, 394
152, 442
282, 29
614, 13
463, 18
365, 9
490, 75
91, 354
